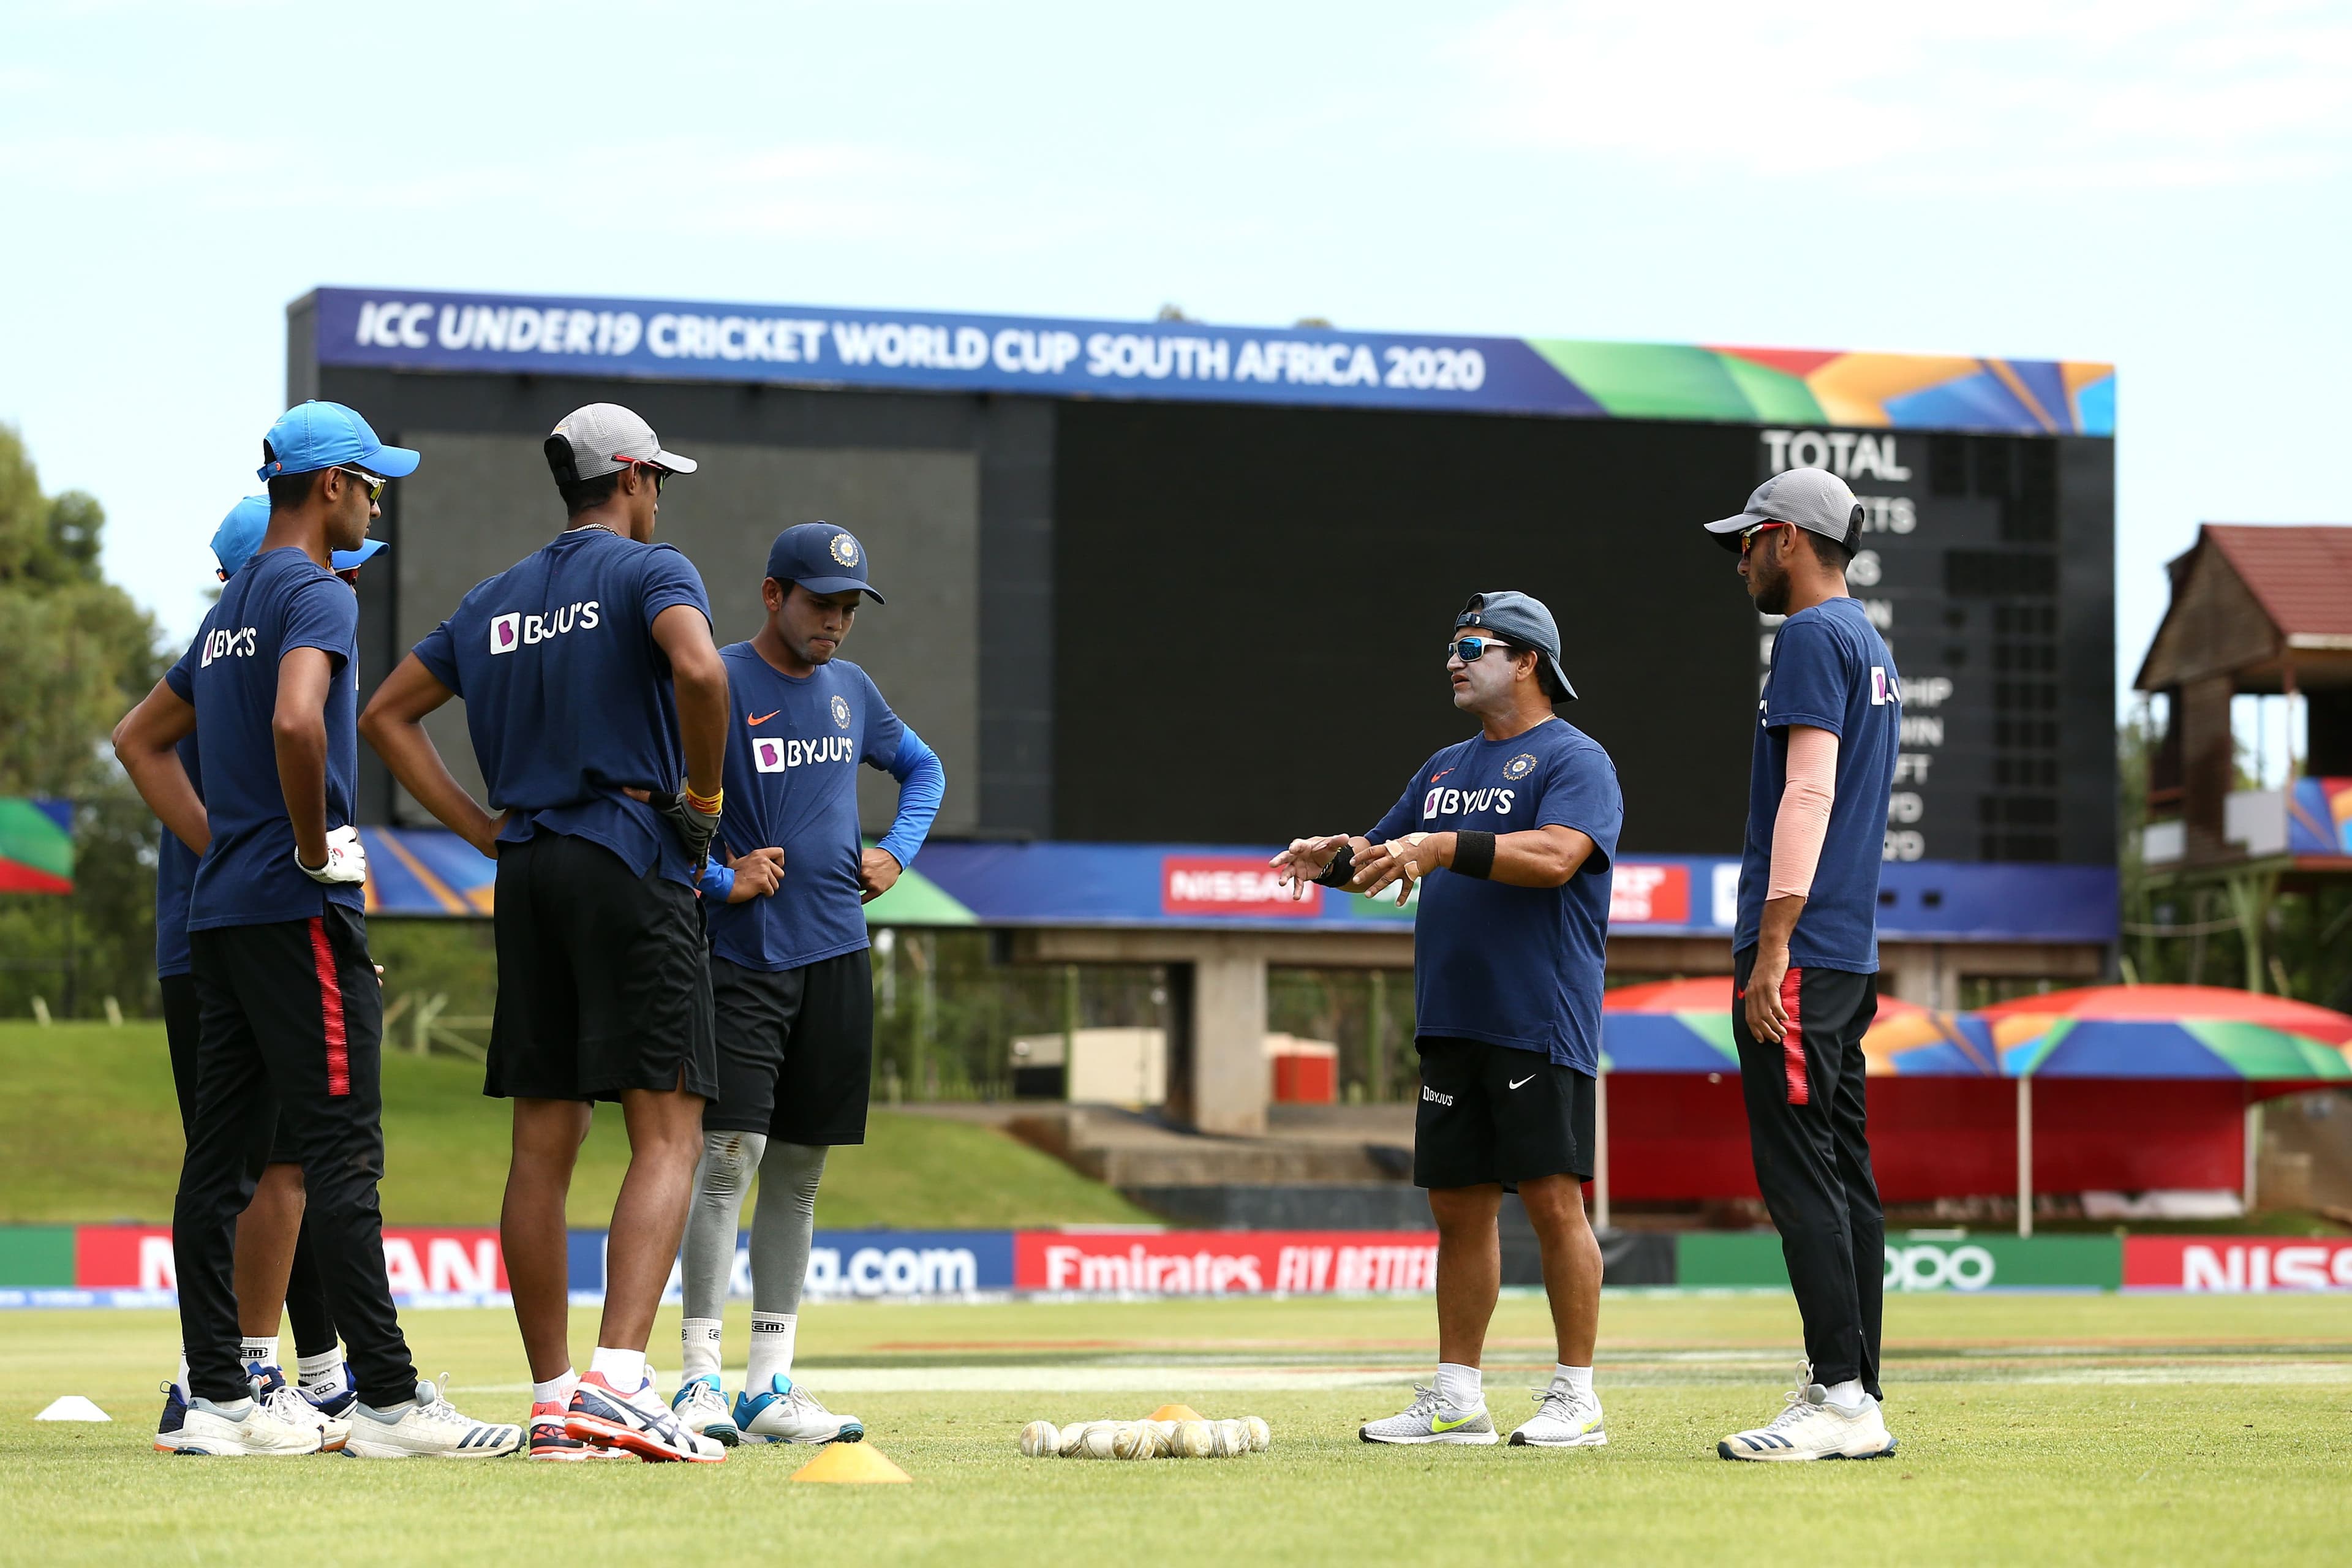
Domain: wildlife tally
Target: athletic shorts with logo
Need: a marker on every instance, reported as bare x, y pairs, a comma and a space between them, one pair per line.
1496, 1114
796, 1049
603, 981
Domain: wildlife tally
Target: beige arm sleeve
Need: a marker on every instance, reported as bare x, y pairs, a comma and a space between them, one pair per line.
1804, 818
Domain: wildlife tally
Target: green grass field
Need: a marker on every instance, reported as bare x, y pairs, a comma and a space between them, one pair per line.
89, 1132
2050, 1429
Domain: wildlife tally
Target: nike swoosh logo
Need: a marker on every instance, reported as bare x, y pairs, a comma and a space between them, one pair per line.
763, 717
1529, 1079
1436, 1426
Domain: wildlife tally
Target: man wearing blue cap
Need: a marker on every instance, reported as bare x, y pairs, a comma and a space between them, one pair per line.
597, 706
276, 1262
290, 1014
790, 977
1511, 836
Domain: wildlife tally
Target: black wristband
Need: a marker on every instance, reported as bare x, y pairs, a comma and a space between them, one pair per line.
1341, 871
1474, 854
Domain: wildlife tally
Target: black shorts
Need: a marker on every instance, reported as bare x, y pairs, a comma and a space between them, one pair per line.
1495, 1113
603, 981
796, 1049
181, 1030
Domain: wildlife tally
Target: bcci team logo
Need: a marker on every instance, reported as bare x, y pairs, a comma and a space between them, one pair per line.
1520, 766
506, 633
841, 709
844, 549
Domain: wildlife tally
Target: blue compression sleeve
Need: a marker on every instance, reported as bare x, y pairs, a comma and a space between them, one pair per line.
922, 785
717, 882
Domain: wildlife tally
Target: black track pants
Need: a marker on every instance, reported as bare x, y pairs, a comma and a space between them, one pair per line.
1806, 1127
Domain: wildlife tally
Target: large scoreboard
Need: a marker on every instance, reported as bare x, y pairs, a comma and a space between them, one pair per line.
1168, 582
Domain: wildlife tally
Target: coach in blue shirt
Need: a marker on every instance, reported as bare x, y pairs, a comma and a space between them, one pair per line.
1805, 949
1508, 838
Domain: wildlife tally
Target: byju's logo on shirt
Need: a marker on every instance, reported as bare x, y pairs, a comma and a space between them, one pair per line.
223, 643
1462, 802
1882, 691
514, 630
774, 754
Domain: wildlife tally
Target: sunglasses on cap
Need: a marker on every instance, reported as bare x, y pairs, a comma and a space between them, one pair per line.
1470, 650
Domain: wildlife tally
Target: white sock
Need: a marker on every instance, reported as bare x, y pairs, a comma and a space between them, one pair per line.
180, 1377
1577, 1380
622, 1371
772, 1334
1847, 1396
258, 1353
699, 1336
556, 1390
1460, 1387
321, 1375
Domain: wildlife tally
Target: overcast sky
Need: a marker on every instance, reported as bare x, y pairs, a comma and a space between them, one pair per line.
2162, 185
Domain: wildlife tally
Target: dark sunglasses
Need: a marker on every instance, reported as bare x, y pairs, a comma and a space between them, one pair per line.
1470, 650
656, 469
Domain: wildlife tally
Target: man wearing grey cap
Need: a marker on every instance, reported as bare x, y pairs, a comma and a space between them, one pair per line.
1508, 838
1805, 949
597, 706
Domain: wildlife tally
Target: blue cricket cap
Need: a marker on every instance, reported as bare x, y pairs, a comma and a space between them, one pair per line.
239, 534
350, 560
821, 558
313, 435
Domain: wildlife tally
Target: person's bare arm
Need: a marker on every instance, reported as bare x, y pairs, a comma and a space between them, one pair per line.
297, 729
699, 675
1535, 857
395, 726
145, 744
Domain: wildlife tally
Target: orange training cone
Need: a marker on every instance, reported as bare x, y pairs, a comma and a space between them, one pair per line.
1176, 1412
850, 1462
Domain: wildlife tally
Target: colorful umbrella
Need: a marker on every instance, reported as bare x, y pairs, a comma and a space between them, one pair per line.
37, 849
1669, 1027
2169, 1032
1910, 1041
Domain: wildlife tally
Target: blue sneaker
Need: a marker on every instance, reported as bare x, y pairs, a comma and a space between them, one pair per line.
174, 1417
700, 1407
788, 1413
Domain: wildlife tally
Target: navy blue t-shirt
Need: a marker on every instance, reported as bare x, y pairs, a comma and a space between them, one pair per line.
1831, 670
281, 600
175, 876
793, 751
1513, 966
568, 697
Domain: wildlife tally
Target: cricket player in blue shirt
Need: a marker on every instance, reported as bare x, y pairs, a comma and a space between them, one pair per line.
290, 1012
1510, 836
597, 707
1805, 949
790, 975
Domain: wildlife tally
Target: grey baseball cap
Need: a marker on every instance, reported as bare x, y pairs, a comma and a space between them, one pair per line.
1520, 619
1813, 498
604, 439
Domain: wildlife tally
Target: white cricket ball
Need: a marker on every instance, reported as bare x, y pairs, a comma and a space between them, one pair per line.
1072, 1436
1194, 1439
1260, 1434
1135, 1441
1040, 1440
1228, 1438
1167, 1430
1100, 1443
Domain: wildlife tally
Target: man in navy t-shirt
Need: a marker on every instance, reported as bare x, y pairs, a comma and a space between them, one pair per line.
790, 979
1805, 949
597, 707
1508, 837
290, 1013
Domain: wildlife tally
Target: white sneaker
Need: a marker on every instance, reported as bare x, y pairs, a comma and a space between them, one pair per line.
285, 1401
701, 1409
787, 1413
260, 1433
1563, 1419
1810, 1428
1427, 1420
432, 1429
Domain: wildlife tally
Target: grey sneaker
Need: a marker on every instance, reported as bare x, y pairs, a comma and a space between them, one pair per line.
1428, 1420
1562, 1420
